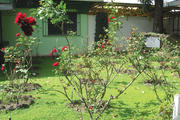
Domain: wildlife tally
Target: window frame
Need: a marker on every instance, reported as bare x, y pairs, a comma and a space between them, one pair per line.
45, 27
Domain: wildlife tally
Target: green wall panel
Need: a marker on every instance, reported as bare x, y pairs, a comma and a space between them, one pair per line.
46, 42
84, 29
6, 1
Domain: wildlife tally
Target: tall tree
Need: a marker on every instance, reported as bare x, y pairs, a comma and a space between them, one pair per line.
158, 14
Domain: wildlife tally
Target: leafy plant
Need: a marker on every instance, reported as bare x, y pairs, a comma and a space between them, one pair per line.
18, 58
166, 57
85, 80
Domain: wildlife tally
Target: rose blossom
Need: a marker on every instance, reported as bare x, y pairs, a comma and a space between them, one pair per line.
2, 68
93, 80
19, 17
56, 64
64, 48
17, 34
53, 51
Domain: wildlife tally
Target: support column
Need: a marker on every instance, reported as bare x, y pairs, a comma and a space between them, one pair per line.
1, 41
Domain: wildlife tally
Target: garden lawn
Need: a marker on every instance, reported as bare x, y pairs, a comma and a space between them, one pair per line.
137, 103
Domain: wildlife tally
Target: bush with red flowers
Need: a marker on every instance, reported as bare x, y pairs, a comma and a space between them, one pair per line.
25, 23
91, 74
89, 77
86, 74
166, 56
18, 62
18, 57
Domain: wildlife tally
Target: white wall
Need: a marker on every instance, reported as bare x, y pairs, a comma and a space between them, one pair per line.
143, 24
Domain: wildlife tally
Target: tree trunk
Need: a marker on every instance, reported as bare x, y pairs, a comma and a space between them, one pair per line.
158, 17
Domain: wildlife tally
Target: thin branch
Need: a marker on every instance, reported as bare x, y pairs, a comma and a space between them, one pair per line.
86, 105
130, 83
73, 87
105, 106
66, 94
117, 72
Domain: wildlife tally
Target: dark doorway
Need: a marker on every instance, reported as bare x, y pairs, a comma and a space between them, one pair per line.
101, 24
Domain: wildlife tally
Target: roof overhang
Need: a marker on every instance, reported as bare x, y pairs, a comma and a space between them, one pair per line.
174, 3
116, 1
6, 4
89, 0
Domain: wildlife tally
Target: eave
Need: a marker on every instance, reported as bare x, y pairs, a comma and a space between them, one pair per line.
6, 4
174, 3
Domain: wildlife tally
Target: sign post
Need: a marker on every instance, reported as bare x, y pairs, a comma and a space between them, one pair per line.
176, 108
153, 42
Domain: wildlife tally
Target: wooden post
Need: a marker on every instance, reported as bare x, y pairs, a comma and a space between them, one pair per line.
176, 109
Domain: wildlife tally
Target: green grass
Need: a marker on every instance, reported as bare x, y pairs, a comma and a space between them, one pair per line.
137, 103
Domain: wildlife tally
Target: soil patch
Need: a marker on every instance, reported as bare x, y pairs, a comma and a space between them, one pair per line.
30, 86
78, 106
23, 102
129, 71
11, 102
151, 82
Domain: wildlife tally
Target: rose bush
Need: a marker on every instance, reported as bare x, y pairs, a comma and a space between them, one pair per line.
18, 58
157, 62
86, 79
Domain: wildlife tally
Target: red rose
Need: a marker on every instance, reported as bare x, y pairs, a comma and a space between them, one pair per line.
102, 46
30, 20
51, 54
53, 51
17, 34
19, 17
2, 68
109, 20
2, 49
64, 48
56, 64
90, 107
93, 80
26, 23
112, 17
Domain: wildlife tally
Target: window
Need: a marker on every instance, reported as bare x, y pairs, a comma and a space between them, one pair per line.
74, 26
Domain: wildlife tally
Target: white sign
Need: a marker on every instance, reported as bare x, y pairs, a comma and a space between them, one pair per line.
176, 109
153, 42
